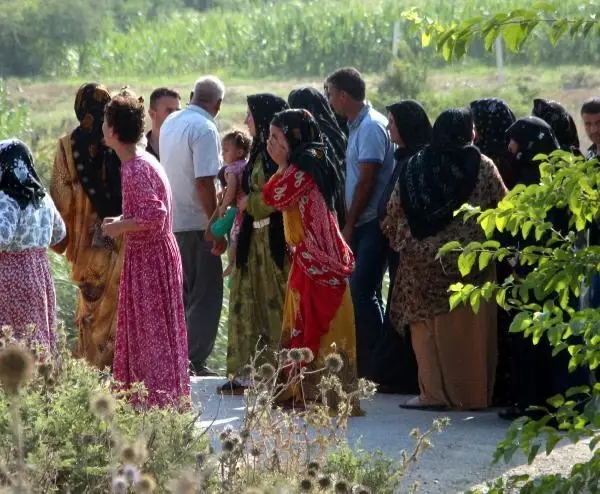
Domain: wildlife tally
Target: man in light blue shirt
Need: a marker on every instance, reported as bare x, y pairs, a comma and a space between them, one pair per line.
369, 167
190, 152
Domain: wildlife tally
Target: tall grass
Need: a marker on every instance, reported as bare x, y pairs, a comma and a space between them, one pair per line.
14, 116
301, 38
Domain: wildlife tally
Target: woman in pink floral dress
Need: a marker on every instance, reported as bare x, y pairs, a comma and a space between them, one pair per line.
151, 345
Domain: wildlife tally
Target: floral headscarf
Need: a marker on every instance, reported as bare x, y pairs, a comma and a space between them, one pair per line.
18, 178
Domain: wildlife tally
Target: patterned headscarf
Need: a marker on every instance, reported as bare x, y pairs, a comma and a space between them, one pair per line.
307, 151
413, 126
441, 177
534, 136
492, 117
561, 121
98, 167
18, 178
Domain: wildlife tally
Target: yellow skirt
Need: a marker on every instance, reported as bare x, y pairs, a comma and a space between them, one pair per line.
340, 339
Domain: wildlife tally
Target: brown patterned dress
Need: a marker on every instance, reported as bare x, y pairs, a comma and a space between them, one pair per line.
95, 270
420, 297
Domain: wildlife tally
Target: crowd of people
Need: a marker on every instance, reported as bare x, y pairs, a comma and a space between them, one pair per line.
313, 204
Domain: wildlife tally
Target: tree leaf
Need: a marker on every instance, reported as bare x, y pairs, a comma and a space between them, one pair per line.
425, 39
551, 442
455, 300
556, 401
484, 259
466, 261
475, 300
520, 323
533, 453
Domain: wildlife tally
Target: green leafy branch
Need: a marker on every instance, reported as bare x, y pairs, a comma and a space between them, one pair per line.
558, 262
515, 27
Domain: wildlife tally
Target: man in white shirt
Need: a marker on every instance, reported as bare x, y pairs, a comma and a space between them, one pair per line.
190, 151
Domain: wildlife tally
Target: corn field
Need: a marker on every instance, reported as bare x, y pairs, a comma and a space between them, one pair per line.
302, 38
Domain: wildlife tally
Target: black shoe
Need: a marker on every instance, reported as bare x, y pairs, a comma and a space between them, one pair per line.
203, 372
511, 413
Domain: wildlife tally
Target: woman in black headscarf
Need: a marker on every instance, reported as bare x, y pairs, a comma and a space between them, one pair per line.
539, 374
334, 138
29, 225
257, 287
492, 117
455, 350
395, 368
318, 310
561, 122
86, 188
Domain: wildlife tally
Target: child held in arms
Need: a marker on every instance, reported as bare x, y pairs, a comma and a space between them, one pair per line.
236, 147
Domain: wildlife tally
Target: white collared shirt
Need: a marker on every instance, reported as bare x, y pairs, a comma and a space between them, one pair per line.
190, 148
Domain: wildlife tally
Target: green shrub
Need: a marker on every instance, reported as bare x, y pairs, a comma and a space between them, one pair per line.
541, 301
69, 447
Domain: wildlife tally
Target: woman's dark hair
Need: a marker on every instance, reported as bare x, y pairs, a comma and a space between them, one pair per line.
125, 114
349, 80
591, 106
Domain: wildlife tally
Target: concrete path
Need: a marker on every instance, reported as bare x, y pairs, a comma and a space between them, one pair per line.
461, 456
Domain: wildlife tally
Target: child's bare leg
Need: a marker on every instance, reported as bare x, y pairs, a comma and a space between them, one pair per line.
231, 261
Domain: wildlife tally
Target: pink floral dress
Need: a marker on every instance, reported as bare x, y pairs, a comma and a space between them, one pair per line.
151, 344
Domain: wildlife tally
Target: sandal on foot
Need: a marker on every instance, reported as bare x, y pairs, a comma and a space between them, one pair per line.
417, 404
232, 388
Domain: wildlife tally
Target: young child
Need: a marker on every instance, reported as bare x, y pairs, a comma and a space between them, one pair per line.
236, 147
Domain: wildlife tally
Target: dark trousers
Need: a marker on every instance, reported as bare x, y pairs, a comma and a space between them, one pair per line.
202, 294
368, 245
395, 365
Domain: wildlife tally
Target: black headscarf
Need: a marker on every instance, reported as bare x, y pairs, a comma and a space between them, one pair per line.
415, 131
561, 121
97, 166
492, 117
413, 126
18, 178
307, 151
441, 177
534, 136
335, 139
263, 108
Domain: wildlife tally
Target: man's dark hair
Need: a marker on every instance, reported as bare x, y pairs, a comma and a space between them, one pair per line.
240, 140
125, 114
591, 106
349, 80
162, 92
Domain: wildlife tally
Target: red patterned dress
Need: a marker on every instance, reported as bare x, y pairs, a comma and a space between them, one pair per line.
151, 345
318, 311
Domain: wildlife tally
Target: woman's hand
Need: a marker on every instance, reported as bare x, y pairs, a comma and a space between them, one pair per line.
112, 228
243, 204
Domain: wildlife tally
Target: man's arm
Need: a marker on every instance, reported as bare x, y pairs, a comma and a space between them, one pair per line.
362, 194
207, 194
